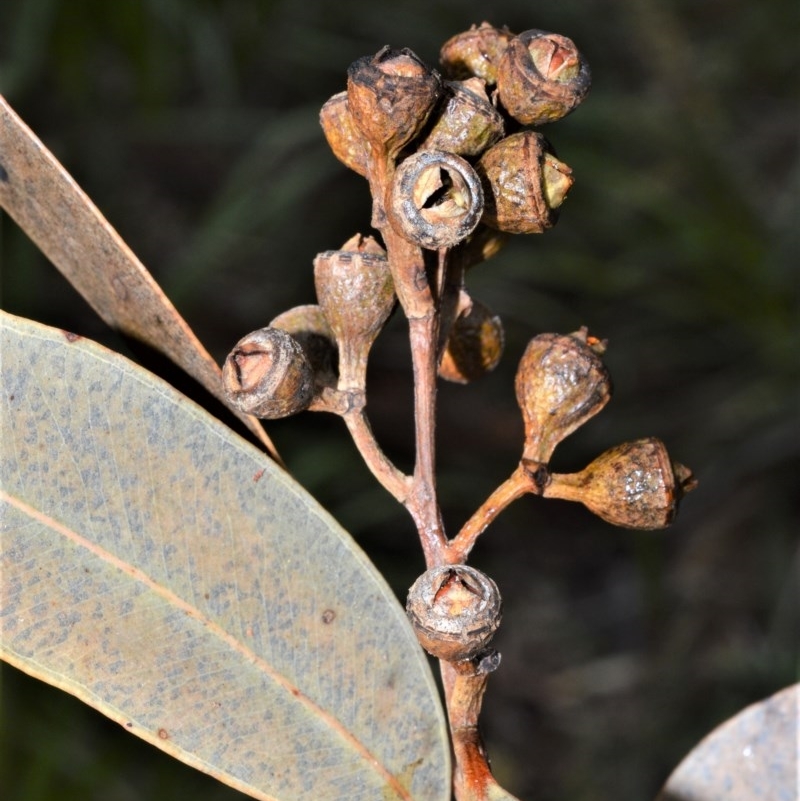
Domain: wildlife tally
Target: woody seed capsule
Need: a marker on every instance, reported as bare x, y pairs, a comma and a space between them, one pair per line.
390, 96
435, 199
267, 375
541, 77
634, 485
343, 135
523, 184
466, 123
474, 345
561, 383
356, 292
455, 611
475, 52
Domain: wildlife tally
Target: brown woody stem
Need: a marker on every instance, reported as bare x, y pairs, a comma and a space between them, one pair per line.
380, 172
464, 686
566, 487
519, 483
464, 682
349, 405
407, 263
392, 479
422, 503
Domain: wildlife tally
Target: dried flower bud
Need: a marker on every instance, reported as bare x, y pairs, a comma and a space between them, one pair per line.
541, 77
435, 199
523, 183
475, 52
343, 135
466, 122
561, 383
267, 375
455, 611
390, 96
309, 326
474, 345
634, 485
356, 292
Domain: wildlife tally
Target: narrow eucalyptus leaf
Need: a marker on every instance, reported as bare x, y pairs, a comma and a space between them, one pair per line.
58, 216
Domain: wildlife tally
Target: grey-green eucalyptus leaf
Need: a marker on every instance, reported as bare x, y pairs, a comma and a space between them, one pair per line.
752, 756
170, 575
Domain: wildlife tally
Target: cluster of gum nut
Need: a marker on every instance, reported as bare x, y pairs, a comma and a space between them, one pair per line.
463, 169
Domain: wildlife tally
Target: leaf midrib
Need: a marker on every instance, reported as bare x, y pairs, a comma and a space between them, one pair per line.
218, 631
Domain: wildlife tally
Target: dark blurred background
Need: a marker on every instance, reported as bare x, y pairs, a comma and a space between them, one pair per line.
193, 126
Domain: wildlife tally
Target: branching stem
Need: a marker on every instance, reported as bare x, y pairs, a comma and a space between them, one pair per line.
519, 483
387, 474
429, 302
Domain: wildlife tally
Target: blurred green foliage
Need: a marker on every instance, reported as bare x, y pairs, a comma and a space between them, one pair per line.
193, 125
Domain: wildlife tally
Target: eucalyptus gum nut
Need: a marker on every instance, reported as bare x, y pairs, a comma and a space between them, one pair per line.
343, 135
561, 383
474, 345
390, 96
268, 375
465, 122
475, 52
633, 485
523, 184
435, 199
309, 326
541, 77
356, 293
455, 611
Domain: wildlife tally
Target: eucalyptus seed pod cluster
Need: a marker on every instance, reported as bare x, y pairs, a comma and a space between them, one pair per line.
452, 150
539, 76
455, 611
562, 383
356, 294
